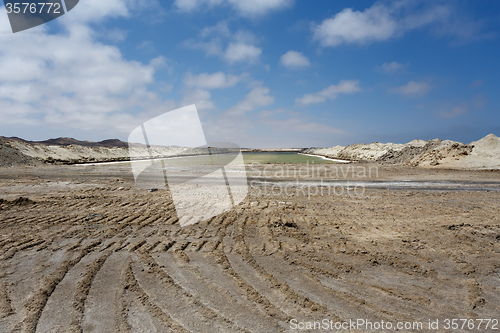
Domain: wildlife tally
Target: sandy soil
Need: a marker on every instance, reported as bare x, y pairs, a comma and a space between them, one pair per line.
86, 251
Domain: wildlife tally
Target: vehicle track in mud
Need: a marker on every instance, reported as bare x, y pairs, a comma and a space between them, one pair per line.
113, 258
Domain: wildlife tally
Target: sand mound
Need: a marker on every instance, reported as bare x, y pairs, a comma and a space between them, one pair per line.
12, 157
482, 154
19, 152
489, 146
21, 201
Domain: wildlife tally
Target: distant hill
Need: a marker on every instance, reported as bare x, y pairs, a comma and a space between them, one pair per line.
70, 141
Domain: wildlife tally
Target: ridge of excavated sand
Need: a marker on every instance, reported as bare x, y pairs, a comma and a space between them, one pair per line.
481, 154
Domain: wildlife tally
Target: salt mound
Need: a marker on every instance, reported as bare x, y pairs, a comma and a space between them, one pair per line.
482, 154
371, 152
416, 143
489, 146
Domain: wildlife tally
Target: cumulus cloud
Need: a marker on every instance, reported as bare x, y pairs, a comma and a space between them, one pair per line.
256, 98
331, 92
200, 97
218, 40
243, 7
192, 5
97, 10
294, 59
159, 62
384, 21
412, 89
198, 86
349, 26
70, 80
238, 52
393, 67
217, 80
259, 7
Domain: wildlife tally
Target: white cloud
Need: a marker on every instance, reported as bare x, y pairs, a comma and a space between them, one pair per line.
220, 29
234, 125
238, 52
217, 80
259, 7
200, 97
331, 92
70, 81
412, 89
218, 40
159, 62
114, 35
192, 5
455, 111
256, 98
292, 122
212, 47
384, 21
393, 67
97, 10
349, 26
146, 45
198, 86
294, 59
89, 11
243, 7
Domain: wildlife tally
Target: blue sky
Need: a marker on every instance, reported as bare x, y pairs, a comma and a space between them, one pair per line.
263, 73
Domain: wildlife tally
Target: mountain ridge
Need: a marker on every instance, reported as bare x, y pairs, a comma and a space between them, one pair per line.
65, 141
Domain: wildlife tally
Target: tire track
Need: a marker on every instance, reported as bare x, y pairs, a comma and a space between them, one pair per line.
38, 300
59, 312
102, 290
187, 310
144, 299
215, 297
242, 249
5, 302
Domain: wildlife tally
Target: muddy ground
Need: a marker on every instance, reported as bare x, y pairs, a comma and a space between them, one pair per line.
83, 250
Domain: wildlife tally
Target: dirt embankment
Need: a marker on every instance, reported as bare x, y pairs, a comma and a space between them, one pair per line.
482, 154
11, 157
17, 153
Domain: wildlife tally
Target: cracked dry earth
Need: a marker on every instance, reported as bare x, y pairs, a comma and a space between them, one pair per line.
98, 255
